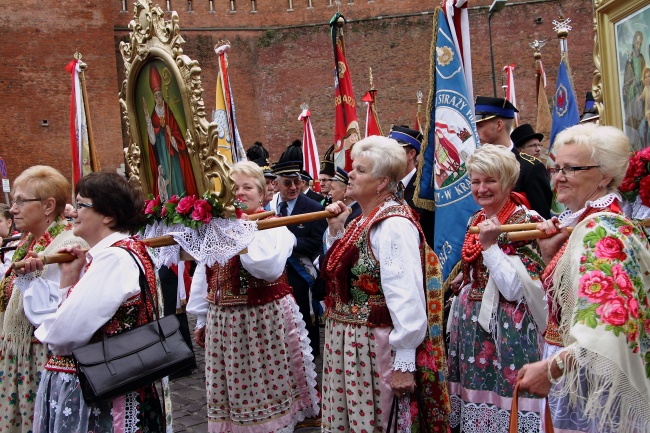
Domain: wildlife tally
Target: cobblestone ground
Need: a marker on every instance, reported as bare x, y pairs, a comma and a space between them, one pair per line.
188, 395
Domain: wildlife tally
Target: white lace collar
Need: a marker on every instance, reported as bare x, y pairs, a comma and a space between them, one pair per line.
568, 218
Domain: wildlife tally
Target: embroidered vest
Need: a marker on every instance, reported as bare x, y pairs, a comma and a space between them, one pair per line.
129, 315
352, 273
231, 284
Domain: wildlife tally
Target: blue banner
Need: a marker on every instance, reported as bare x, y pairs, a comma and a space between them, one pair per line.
451, 138
565, 110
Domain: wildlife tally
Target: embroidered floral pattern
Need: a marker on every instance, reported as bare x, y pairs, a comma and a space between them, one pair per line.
610, 288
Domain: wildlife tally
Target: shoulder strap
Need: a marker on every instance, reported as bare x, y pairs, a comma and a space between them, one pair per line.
145, 289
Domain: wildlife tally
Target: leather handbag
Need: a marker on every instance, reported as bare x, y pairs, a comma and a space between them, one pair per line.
133, 359
514, 417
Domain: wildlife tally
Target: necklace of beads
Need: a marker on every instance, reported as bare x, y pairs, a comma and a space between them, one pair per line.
472, 246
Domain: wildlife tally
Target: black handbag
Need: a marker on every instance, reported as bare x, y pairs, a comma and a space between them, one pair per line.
133, 359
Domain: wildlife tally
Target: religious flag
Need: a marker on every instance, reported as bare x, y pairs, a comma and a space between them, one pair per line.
84, 160
443, 182
346, 122
310, 161
543, 111
372, 122
565, 111
510, 88
458, 18
229, 143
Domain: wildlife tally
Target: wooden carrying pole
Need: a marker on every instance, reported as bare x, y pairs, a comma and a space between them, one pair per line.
164, 241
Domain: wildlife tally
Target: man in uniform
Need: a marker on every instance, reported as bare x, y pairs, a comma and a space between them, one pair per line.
494, 120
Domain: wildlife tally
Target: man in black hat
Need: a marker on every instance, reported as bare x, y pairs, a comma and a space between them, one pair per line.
411, 141
309, 241
326, 174
526, 140
494, 120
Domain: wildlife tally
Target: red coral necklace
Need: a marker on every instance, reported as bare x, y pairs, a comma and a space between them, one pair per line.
472, 246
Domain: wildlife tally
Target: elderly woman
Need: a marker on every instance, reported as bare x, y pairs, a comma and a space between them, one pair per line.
376, 313
102, 294
29, 295
497, 318
597, 353
6, 230
260, 375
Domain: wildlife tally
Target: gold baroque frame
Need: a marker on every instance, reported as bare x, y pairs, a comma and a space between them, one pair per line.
154, 39
608, 81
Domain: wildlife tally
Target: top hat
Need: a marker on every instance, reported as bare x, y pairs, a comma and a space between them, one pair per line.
487, 107
264, 165
523, 133
341, 175
406, 137
287, 169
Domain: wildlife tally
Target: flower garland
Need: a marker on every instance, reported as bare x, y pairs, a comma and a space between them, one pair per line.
636, 183
190, 211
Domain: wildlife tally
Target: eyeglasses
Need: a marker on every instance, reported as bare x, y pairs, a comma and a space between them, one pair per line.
528, 146
78, 205
570, 171
326, 180
288, 182
20, 202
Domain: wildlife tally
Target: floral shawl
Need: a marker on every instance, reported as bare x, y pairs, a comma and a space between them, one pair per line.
601, 285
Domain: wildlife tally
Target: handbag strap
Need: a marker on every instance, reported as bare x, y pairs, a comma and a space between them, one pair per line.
394, 415
514, 414
145, 288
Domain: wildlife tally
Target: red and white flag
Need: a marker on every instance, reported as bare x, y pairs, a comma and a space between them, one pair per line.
310, 160
372, 121
510, 88
81, 164
458, 19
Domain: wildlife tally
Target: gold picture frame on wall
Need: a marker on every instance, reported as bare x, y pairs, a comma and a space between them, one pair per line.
621, 54
172, 147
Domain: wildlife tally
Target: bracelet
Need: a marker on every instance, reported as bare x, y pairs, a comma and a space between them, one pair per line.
560, 365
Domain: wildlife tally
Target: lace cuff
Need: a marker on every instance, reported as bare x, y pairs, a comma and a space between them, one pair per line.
404, 360
329, 239
23, 281
200, 322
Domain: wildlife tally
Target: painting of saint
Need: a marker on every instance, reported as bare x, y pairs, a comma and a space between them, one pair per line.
167, 161
632, 46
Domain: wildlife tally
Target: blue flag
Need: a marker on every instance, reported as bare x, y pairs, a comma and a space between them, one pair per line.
565, 110
451, 138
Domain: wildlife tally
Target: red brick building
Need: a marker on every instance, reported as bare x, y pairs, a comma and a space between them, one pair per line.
281, 57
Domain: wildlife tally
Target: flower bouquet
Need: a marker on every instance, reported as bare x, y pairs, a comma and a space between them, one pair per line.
635, 188
202, 226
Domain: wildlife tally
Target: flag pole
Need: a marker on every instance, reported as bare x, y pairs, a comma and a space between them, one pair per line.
92, 149
543, 110
418, 124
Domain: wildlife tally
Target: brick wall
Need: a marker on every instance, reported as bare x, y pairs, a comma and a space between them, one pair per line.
278, 60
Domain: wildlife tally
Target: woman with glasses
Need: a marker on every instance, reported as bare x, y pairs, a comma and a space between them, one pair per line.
101, 294
596, 367
260, 374
498, 316
29, 295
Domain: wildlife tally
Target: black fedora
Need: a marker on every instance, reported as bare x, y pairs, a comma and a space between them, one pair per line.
523, 133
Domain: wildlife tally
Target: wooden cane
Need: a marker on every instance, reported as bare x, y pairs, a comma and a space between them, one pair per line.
166, 240
526, 235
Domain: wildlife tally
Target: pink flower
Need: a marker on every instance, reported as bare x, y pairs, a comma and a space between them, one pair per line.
163, 212
151, 205
173, 199
185, 205
626, 230
591, 224
622, 280
202, 211
633, 307
596, 286
488, 349
610, 248
613, 312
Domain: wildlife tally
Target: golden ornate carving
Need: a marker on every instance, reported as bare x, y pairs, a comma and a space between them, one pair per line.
155, 39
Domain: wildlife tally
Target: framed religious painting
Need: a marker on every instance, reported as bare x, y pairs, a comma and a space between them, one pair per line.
622, 58
172, 147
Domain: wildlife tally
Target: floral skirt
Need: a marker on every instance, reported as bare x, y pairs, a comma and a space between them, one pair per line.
259, 368
20, 374
483, 367
60, 408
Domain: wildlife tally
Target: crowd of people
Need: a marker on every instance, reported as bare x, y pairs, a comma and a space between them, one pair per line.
565, 315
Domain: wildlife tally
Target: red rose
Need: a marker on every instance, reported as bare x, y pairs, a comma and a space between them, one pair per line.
173, 199
596, 286
637, 167
368, 285
629, 185
644, 154
644, 191
610, 248
613, 312
186, 205
622, 280
633, 307
151, 205
202, 211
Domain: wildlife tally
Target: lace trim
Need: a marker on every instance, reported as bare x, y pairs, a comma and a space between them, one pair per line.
130, 413
215, 242
329, 239
404, 360
482, 417
567, 218
636, 210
